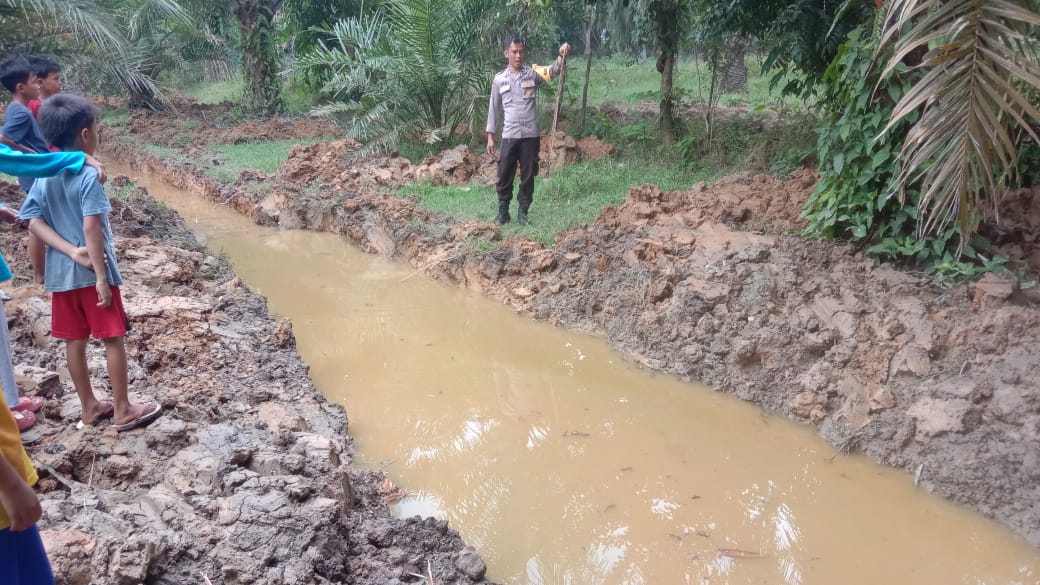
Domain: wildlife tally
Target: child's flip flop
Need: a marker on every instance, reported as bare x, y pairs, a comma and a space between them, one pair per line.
108, 409
25, 419
30, 403
150, 415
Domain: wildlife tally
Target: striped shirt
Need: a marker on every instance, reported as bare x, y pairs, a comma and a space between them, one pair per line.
514, 95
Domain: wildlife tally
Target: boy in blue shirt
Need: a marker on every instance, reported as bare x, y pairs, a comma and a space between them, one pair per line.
22, 132
84, 301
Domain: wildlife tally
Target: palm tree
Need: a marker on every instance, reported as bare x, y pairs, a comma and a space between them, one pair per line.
979, 74
413, 70
103, 45
263, 91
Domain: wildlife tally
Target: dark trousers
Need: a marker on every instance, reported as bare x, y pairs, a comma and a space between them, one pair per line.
513, 151
23, 561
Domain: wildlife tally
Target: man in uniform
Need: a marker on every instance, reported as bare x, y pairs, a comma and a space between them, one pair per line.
513, 91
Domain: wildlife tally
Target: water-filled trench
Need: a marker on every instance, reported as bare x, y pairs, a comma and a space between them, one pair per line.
564, 464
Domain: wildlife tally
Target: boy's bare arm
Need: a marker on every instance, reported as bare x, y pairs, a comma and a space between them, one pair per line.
17, 498
43, 230
95, 237
14, 145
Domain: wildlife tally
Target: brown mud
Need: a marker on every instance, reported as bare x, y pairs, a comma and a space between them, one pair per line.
706, 284
246, 478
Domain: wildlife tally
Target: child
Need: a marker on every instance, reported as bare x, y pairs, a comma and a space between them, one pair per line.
48, 76
22, 556
84, 301
48, 73
33, 165
20, 128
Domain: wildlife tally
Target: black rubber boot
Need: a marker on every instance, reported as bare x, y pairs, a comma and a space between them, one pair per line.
521, 217
503, 214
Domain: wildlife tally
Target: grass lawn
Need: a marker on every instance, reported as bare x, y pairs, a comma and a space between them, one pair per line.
265, 156
569, 197
297, 101
618, 80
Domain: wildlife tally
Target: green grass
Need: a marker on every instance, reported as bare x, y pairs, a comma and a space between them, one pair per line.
567, 198
214, 92
265, 156
297, 100
613, 80
116, 117
162, 151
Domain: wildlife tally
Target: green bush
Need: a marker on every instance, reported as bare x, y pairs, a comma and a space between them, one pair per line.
856, 198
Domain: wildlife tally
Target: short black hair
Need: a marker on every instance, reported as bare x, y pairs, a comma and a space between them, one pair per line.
63, 115
43, 66
515, 40
14, 70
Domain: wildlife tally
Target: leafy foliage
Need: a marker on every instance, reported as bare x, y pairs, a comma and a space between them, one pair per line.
798, 35
415, 69
307, 23
969, 108
860, 171
114, 46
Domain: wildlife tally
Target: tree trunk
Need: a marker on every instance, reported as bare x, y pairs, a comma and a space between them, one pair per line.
735, 72
668, 30
590, 24
263, 87
666, 66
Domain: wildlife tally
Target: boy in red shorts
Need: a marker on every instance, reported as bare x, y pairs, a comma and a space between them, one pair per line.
85, 301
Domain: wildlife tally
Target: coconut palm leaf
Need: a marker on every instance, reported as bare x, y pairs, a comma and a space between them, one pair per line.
980, 63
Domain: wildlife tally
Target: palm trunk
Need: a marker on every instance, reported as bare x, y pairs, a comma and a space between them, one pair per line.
668, 31
735, 75
666, 65
588, 66
263, 87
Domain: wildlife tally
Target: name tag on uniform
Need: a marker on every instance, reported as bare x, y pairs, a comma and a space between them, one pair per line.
503, 88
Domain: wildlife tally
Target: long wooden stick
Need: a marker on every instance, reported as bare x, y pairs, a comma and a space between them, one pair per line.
556, 114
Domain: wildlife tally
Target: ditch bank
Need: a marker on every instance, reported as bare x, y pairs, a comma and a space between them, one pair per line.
246, 478
704, 284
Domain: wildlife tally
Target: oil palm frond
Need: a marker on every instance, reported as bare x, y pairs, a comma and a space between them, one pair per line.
979, 69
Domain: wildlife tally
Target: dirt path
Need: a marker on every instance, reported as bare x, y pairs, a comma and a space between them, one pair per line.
703, 284
245, 479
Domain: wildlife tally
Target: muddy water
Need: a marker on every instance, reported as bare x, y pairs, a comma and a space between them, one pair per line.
564, 464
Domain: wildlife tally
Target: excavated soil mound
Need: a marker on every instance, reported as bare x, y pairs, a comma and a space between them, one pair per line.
750, 202
335, 164
199, 125
1016, 232
246, 477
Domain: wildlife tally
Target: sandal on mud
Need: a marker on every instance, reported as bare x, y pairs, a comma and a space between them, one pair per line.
149, 415
30, 403
26, 419
107, 410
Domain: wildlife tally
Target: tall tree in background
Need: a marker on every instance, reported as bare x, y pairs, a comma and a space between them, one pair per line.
668, 20
798, 36
263, 86
590, 26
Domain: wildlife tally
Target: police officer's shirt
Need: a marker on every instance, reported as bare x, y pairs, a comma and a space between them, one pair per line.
514, 94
